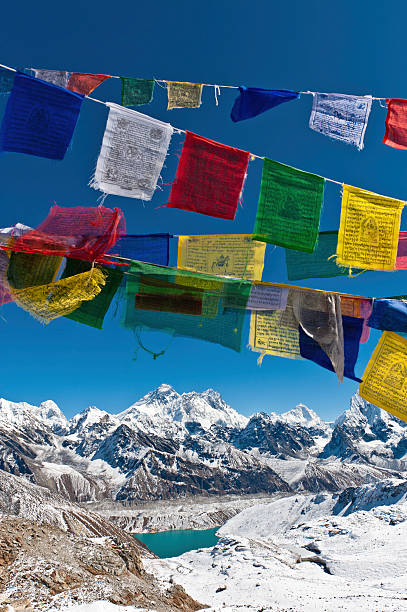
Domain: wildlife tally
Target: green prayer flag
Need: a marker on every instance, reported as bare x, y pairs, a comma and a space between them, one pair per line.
185, 303
136, 91
289, 207
93, 312
319, 264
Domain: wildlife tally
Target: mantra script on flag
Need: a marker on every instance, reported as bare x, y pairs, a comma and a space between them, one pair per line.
369, 230
226, 255
385, 378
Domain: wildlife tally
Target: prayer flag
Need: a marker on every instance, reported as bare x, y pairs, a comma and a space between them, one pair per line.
48, 302
319, 317
252, 101
133, 151
176, 302
369, 230
85, 83
151, 248
136, 92
389, 315
266, 297
361, 308
6, 80
92, 312
385, 378
396, 124
80, 232
222, 254
319, 264
39, 119
209, 178
289, 207
341, 117
275, 333
56, 77
401, 260
183, 95
352, 331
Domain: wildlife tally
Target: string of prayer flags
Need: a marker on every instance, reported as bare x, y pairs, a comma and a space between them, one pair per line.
389, 315
319, 317
6, 81
252, 101
81, 232
183, 95
369, 230
92, 312
401, 259
352, 331
209, 178
133, 151
341, 117
150, 248
396, 124
56, 77
39, 118
275, 333
48, 302
319, 264
136, 92
173, 301
289, 207
385, 377
84, 83
222, 254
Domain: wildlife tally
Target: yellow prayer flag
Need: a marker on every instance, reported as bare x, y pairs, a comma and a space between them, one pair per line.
48, 302
235, 255
183, 95
385, 378
274, 333
369, 230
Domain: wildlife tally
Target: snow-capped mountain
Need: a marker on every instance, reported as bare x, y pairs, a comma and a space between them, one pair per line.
367, 433
164, 411
171, 445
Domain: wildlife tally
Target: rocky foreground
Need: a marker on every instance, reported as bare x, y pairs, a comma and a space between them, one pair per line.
54, 554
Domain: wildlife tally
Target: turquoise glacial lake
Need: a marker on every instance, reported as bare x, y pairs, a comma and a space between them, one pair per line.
173, 543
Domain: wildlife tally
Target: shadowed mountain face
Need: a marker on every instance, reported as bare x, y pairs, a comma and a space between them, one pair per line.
168, 445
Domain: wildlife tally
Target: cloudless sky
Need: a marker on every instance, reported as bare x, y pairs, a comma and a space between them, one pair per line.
347, 47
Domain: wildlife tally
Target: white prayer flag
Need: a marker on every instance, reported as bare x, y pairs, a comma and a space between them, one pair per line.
133, 151
340, 116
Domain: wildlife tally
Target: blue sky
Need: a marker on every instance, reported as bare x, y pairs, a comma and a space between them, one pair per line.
350, 47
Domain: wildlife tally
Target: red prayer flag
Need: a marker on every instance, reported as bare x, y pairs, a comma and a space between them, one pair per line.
85, 83
209, 177
396, 124
401, 260
80, 232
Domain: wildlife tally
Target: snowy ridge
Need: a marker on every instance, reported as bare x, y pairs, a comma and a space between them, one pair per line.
170, 445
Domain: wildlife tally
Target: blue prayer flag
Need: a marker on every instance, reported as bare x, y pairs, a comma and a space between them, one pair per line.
389, 315
150, 248
352, 331
252, 101
6, 80
40, 118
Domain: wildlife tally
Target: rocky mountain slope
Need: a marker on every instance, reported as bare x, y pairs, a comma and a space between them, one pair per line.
304, 553
54, 553
169, 445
